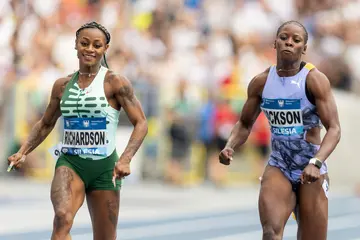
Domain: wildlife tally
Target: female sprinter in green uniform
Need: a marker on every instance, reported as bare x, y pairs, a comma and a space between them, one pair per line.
89, 101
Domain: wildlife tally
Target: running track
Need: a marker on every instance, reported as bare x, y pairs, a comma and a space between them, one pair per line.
156, 212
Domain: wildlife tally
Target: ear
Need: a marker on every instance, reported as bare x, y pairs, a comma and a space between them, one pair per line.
75, 44
304, 51
106, 48
275, 44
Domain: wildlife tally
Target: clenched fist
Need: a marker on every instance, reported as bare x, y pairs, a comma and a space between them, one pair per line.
226, 156
16, 160
121, 170
310, 174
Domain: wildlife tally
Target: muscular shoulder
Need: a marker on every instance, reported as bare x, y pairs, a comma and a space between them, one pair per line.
59, 86
119, 84
317, 82
257, 84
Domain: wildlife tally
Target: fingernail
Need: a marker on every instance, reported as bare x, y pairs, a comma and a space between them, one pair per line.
10, 167
113, 181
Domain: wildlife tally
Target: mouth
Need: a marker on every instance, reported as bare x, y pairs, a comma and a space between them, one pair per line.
287, 51
89, 57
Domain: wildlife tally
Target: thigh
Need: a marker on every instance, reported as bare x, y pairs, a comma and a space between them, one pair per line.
104, 210
276, 201
67, 193
313, 209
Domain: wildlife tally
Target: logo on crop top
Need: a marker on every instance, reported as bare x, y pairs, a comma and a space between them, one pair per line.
296, 82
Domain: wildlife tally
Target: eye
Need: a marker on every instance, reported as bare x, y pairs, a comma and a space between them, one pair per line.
84, 44
297, 40
283, 37
98, 46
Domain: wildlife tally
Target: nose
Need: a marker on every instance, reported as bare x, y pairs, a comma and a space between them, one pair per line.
289, 43
89, 48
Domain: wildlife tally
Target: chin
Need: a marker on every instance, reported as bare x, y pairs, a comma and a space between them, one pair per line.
289, 58
89, 64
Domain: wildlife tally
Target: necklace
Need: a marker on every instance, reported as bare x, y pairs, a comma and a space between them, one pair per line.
89, 74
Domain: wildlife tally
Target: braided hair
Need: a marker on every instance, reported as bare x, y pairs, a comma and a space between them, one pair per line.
102, 29
296, 23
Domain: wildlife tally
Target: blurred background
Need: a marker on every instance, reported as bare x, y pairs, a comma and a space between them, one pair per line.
190, 62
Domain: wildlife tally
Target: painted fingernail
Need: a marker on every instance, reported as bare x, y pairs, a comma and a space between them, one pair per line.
113, 181
10, 167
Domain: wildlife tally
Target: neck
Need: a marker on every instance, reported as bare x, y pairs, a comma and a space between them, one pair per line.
286, 69
83, 69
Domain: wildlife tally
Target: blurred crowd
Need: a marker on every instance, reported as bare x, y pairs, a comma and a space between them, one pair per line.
190, 61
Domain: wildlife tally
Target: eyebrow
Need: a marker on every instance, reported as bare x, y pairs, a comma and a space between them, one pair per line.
295, 34
96, 39
298, 35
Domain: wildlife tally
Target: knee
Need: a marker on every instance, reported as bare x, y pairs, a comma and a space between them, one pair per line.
272, 231
63, 220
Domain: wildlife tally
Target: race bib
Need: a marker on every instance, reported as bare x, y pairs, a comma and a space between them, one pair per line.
325, 187
55, 150
284, 116
84, 136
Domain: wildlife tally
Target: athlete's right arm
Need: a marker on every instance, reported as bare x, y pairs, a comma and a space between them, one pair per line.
248, 116
43, 127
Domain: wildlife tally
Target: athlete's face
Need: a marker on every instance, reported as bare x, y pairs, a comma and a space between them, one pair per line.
290, 42
91, 46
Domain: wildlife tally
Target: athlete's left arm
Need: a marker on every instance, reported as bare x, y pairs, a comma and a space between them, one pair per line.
319, 86
124, 94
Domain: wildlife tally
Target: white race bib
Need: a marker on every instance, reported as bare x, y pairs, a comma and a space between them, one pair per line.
55, 150
325, 187
284, 116
85, 136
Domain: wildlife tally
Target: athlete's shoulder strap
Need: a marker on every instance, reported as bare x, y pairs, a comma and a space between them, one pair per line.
309, 66
100, 77
74, 76
271, 68
309, 95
